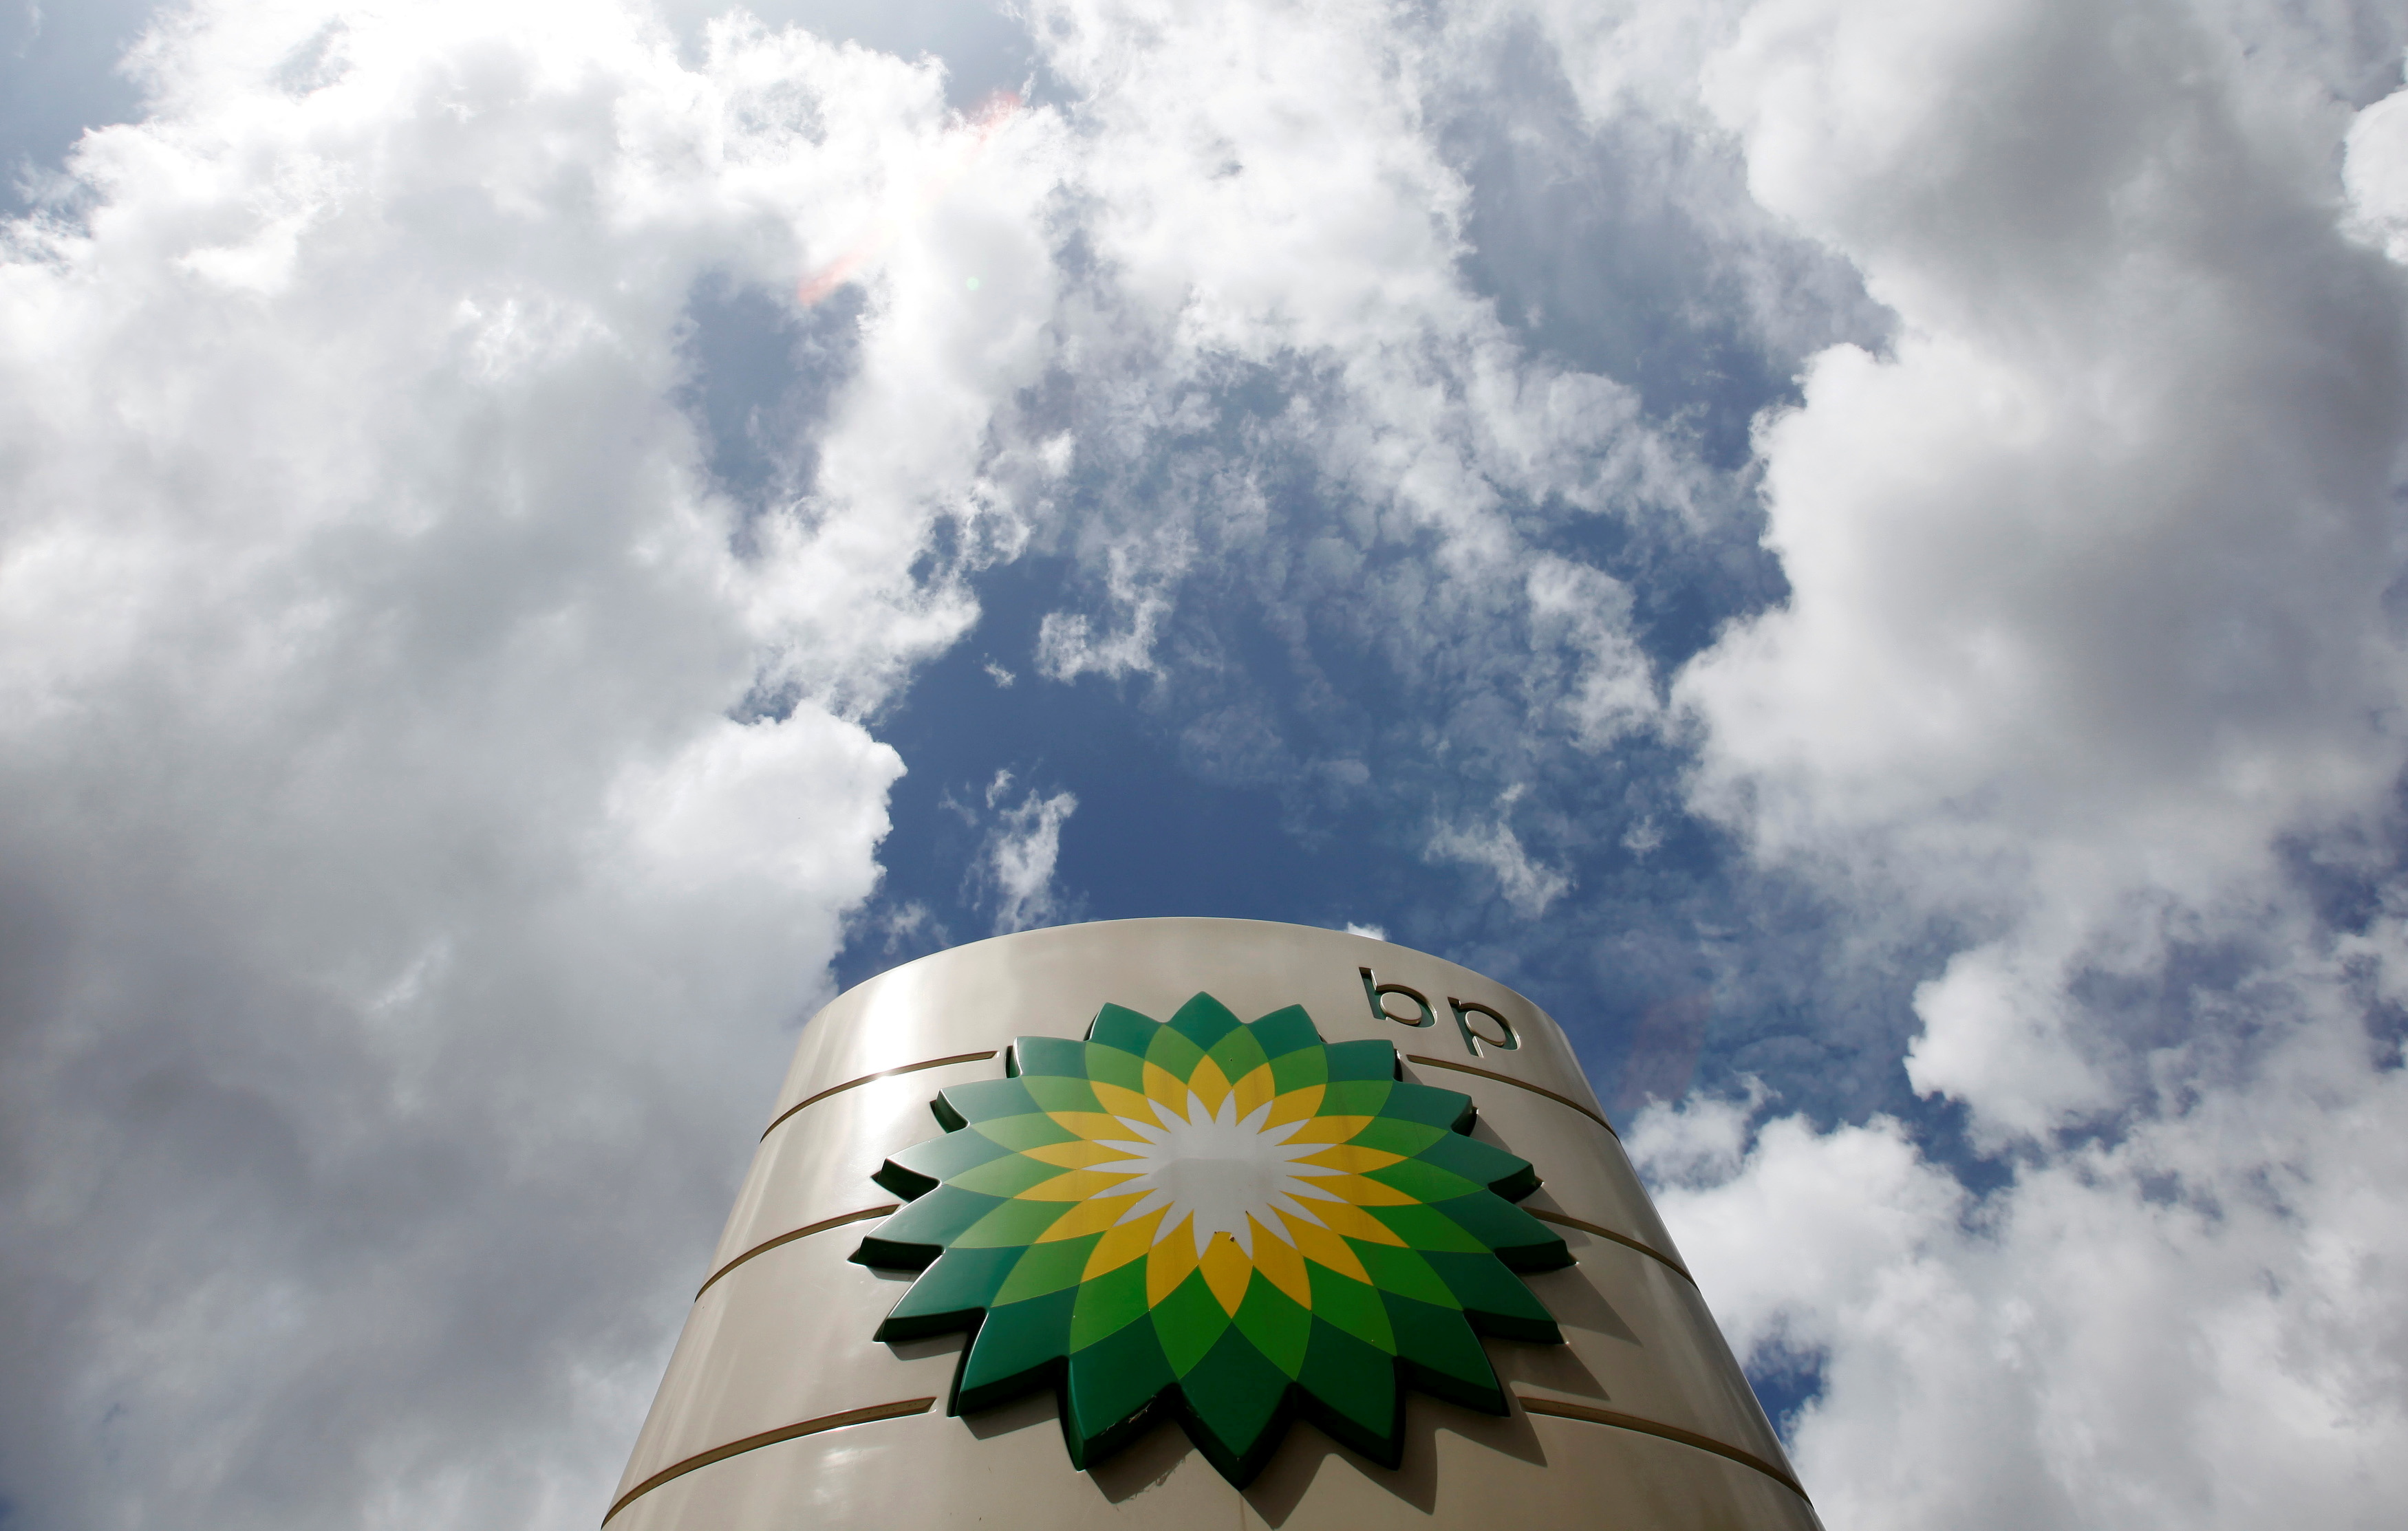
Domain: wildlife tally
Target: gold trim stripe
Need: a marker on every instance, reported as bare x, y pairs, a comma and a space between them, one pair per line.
770, 1438
1519, 1084
1648, 1250
823, 1225
883, 1073
1667, 1432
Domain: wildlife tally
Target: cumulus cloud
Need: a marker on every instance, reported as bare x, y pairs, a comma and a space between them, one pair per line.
431, 802
2091, 641
2375, 171
1332, 523
2195, 1323
1118, 640
441, 713
1525, 884
1015, 862
2090, 572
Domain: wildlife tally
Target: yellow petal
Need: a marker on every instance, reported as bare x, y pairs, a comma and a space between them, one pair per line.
1122, 1243
1078, 1156
1095, 1126
1352, 1157
1170, 1260
1330, 1129
1211, 1085
1255, 1090
1077, 1185
1227, 1271
1354, 1224
1294, 1105
1355, 1188
1164, 1088
1280, 1262
1127, 1105
1323, 1247
1094, 1215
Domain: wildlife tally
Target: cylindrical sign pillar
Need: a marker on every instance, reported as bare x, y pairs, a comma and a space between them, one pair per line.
1190, 1223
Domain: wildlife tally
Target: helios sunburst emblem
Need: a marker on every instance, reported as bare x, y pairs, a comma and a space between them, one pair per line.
1236, 1222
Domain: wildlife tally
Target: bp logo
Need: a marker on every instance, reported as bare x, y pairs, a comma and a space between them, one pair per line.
1237, 1222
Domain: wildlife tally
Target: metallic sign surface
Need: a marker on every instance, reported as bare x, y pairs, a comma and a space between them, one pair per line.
1201, 1222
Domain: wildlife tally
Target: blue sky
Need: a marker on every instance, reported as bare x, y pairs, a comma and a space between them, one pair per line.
1852, 550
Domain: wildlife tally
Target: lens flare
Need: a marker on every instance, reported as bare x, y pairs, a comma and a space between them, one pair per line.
979, 130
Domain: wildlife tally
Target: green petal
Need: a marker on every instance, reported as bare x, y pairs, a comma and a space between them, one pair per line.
1494, 1299
1174, 1054
1011, 1224
1425, 1181
1114, 1387
917, 1170
1350, 1391
1020, 1347
984, 1100
1050, 1055
949, 1294
1355, 1097
1404, 1273
1115, 1065
1342, 1300
1107, 1304
1118, 1027
1276, 1324
1506, 1174
1061, 1094
1237, 1054
1442, 1356
1032, 1130
1204, 1021
1285, 1031
1519, 1239
914, 1235
1297, 1070
1393, 1135
1362, 1061
1422, 1228
1234, 1394
1053, 1267
1448, 1108
1188, 1322
1009, 1176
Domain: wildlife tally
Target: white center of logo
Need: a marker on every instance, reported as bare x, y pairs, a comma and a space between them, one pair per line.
1218, 1170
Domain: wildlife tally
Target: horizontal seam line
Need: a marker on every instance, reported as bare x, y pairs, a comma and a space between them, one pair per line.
823, 1225
1648, 1250
883, 1073
1665, 1432
1518, 1084
770, 1438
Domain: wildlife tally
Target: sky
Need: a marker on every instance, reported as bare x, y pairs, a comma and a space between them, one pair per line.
1851, 550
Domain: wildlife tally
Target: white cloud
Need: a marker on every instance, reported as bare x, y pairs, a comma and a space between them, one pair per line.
1015, 863
2194, 1324
2089, 622
2089, 572
1073, 643
429, 800
2375, 171
1588, 611
1529, 886
406, 934
1644, 839
1291, 397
